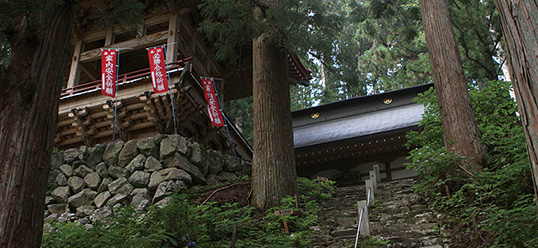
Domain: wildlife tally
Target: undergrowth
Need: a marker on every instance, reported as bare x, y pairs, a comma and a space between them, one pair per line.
189, 221
495, 208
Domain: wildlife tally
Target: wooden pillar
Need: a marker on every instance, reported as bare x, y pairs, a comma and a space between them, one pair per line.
74, 73
173, 39
109, 39
388, 171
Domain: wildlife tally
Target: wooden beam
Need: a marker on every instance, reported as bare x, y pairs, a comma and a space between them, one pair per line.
150, 108
109, 38
159, 107
133, 44
83, 124
74, 72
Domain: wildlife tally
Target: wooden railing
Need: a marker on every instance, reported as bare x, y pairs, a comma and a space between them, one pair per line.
122, 79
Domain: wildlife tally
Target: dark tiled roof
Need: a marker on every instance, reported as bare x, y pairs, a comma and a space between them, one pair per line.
358, 117
358, 125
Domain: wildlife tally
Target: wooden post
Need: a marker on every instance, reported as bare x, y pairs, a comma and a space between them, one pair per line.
109, 38
388, 171
234, 237
74, 73
365, 223
283, 213
285, 224
173, 39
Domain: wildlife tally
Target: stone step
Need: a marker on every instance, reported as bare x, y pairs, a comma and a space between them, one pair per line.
398, 215
345, 232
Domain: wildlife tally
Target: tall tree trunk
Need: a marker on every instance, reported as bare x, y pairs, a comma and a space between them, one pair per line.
519, 22
29, 97
459, 126
273, 166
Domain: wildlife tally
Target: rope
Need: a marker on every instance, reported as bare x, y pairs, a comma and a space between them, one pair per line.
116, 98
225, 119
170, 89
358, 229
360, 217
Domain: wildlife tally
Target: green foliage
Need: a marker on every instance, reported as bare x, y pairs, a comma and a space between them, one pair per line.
495, 208
228, 24
364, 47
183, 222
306, 96
315, 189
382, 47
500, 127
396, 54
369, 242
231, 24
240, 112
515, 227
125, 229
475, 24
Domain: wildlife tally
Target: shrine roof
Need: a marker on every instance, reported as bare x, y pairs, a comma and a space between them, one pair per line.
358, 117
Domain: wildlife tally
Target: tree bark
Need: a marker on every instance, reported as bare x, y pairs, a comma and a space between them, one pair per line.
519, 22
273, 167
461, 134
29, 97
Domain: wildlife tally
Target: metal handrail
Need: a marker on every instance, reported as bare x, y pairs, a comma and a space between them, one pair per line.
360, 217
128, 77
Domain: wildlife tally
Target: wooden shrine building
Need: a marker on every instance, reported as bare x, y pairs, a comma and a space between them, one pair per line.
86, 117
342, 140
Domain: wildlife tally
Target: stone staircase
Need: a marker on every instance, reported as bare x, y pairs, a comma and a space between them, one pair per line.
398, 216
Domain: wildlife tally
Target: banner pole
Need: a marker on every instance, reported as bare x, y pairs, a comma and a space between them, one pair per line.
116, 98
170, 89
224, 117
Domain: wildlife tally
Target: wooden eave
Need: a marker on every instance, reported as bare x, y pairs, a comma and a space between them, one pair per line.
369, 139
347, 154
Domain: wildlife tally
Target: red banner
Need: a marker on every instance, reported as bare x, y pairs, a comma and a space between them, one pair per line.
213, 107
158, 69
109, 72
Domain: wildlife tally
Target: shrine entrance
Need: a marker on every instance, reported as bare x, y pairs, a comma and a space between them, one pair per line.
343, 140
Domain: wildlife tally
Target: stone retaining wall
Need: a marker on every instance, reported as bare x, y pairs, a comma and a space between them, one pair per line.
86, 182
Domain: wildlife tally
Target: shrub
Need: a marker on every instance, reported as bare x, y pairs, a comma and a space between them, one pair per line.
495, 208
185, 223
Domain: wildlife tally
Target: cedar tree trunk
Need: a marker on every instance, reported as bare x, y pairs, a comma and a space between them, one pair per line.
519, 22
29, 97
461, 134
273, 168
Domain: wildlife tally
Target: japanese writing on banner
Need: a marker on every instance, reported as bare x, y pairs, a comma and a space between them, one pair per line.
158, 69
109, 72
213, 107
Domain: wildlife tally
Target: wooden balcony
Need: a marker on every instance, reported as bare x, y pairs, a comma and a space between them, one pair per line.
86, 117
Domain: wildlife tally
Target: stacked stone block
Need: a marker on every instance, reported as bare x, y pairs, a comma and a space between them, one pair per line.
87, 182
